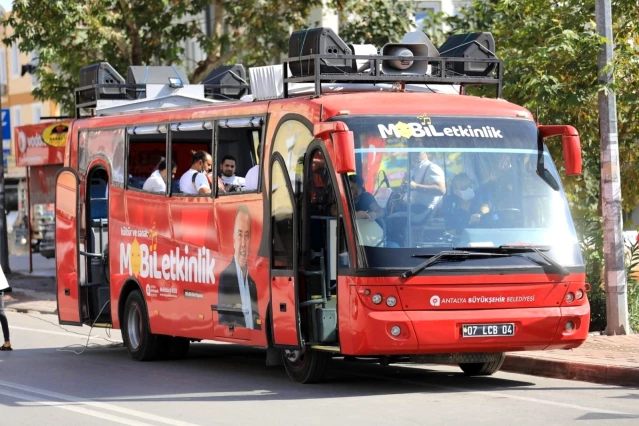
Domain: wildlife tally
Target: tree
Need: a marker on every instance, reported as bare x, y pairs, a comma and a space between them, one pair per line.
68, 35
374, 22
550, 53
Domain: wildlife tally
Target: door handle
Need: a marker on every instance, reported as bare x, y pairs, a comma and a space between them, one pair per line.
282, 307
67, 292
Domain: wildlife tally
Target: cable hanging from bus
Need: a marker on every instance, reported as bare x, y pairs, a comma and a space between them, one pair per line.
348, 202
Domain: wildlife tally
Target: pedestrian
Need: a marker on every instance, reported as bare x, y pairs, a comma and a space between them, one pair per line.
4, 287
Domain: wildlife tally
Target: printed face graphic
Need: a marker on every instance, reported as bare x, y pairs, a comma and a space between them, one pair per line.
404, 129
242, 238
228, 168
136, 257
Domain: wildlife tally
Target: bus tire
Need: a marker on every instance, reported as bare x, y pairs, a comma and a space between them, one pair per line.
179, 348
141, 343
307, 367
483, 368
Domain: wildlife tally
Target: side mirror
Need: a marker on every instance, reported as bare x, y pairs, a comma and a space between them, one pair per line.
570, 143
344, 146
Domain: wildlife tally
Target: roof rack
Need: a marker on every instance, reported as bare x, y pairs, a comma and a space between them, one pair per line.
441, 71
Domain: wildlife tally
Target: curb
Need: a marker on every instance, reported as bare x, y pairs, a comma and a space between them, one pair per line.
594, 373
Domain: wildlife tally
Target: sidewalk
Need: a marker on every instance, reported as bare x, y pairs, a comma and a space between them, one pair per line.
610, 360
32, 291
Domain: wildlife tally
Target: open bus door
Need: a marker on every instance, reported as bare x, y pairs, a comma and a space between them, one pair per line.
284, 250
66, 246
81, 253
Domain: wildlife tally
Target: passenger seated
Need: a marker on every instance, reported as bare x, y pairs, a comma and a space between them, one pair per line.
195, 181
157, 181
227, 169
464, 207
366, 206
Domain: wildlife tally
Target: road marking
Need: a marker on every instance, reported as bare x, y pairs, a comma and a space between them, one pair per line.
57, 333
94, 404
73, 408
192, 395
490, 393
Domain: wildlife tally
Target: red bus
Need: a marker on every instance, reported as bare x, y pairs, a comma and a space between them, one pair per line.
385, 214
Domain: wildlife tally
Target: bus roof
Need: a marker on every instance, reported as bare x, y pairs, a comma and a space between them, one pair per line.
334, 104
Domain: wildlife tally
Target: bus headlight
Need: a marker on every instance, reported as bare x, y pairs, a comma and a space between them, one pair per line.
570, 297
579, 293
391, 301
377, 298
396, 330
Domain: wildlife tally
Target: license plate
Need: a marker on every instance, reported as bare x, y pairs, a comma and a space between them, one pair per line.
488, 330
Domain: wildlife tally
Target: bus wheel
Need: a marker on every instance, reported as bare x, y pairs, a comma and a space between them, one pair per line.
179, 348
306, 367
483, 368
141, 343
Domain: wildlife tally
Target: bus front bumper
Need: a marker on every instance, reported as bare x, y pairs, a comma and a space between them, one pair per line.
439, 332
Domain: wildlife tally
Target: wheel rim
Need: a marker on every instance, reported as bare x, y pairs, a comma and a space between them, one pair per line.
134, 326
295, 358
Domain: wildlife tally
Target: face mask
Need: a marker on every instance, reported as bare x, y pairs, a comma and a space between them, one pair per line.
467, 194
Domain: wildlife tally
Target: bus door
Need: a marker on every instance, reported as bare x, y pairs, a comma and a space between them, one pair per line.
81, 245
284, 254
66, 246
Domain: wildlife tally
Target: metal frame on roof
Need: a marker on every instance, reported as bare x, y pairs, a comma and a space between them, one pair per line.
440, 72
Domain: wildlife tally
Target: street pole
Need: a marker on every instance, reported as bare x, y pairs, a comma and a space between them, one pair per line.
4, 244
615, 271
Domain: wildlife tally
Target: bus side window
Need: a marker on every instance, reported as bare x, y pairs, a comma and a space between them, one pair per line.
146, 152
183, 144
238, 155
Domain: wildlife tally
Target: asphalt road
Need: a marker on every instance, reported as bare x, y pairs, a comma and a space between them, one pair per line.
44, 382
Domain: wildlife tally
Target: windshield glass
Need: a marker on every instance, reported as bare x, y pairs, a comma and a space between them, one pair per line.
426, 184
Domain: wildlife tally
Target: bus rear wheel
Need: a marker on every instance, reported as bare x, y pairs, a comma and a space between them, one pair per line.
483, 368
306, 366
141, 343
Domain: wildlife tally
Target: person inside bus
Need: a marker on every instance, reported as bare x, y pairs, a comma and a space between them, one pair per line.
157, 181
366, 206
251, 180
237, 289
194, 181
425, 186
465, 206
227, 170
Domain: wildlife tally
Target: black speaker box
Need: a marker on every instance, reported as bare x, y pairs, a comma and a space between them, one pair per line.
100, 73
466, 46
232, 76
317, 41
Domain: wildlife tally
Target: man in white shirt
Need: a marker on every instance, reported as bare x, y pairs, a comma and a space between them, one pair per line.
194, 180
251, 179
157, 181
227, 167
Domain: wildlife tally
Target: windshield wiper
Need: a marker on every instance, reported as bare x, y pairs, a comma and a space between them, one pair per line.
455, 256
513, 249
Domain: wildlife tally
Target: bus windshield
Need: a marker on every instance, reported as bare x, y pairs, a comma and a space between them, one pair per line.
427, 184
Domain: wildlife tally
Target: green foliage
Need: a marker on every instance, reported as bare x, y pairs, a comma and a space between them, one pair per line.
632, 272
68, 35
375, 21
591, 244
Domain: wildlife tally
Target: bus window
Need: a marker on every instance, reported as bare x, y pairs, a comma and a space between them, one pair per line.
237, 154
147, 148
185, 141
